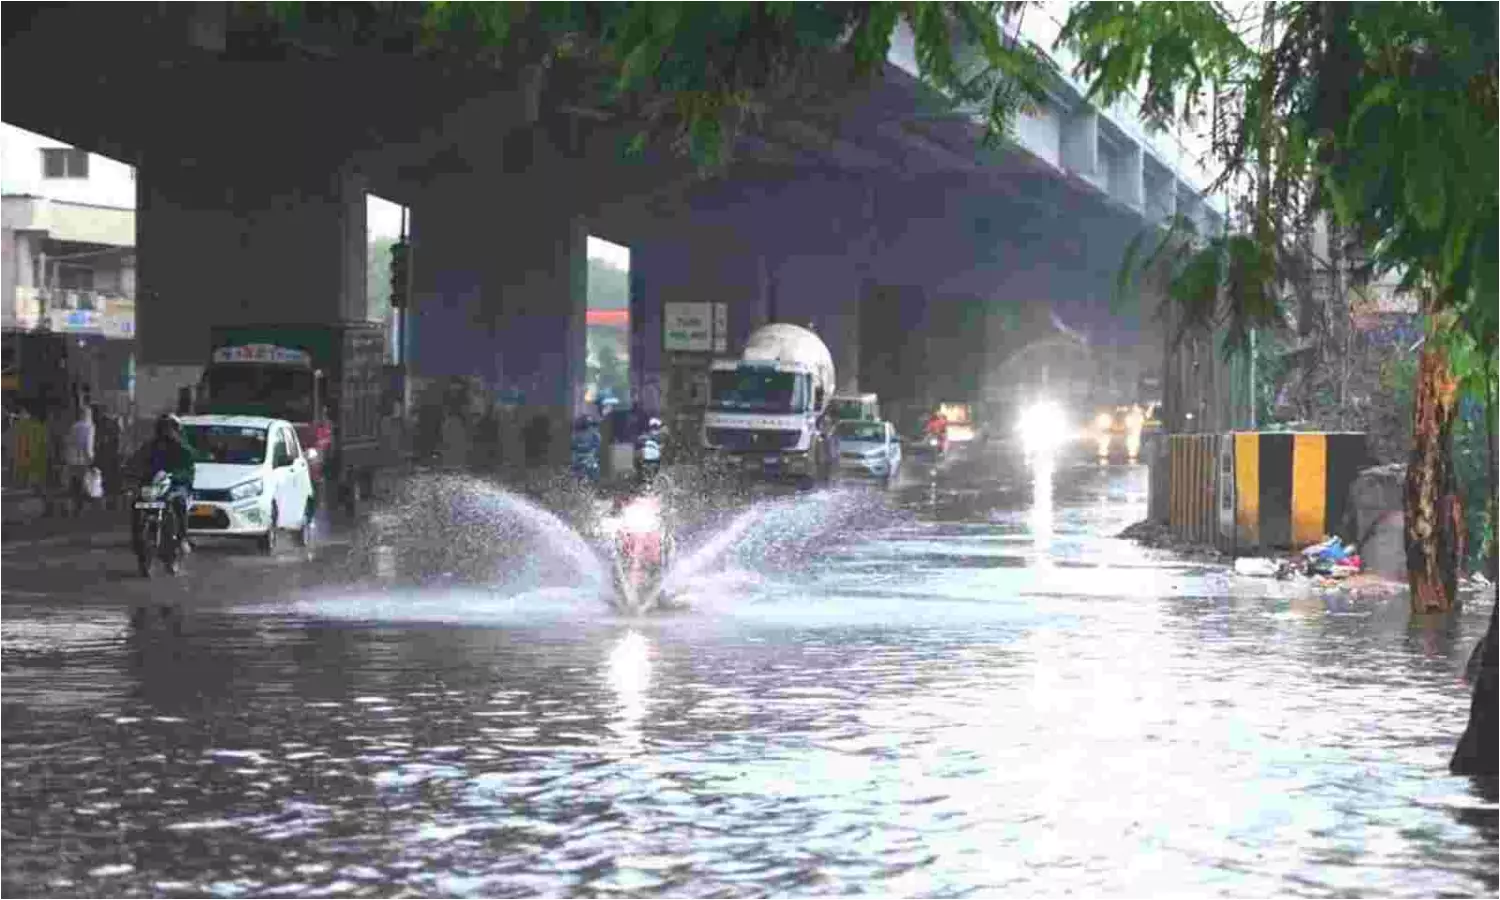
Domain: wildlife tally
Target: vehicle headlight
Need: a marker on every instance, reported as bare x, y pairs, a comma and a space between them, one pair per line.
247, 490
641, 517
1103, 421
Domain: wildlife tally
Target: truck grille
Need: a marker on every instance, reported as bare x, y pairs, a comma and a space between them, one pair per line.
745, 439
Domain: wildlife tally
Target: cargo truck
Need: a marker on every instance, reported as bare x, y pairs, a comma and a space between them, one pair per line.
329, 381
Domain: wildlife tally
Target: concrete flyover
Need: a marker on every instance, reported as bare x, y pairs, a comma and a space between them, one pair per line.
870, 214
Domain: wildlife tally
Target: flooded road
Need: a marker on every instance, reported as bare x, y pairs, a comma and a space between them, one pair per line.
960, 688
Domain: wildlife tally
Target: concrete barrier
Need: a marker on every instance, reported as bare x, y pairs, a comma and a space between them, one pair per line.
1249, 492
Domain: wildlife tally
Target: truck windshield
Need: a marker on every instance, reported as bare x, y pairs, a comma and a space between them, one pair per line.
751, 390
227, 444
277, 392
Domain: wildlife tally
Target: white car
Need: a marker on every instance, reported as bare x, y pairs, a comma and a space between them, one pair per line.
869, 448
251, 479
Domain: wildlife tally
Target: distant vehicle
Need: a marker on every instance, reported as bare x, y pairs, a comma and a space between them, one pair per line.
869, 448
1117, 431
251, 480
329, 381
856, 408
768, 410
960, 418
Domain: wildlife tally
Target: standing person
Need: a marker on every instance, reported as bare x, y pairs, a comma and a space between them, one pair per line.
80, 458
109, 439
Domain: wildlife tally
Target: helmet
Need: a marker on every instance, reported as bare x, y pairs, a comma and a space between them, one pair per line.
654, 424
166, 424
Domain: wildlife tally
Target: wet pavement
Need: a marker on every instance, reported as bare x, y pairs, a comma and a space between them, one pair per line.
954, 687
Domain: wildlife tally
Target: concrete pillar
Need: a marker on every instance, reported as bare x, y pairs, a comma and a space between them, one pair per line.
500, 296
288, 248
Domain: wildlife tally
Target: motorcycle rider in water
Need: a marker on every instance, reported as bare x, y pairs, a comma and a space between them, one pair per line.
937, 426
586, 447
649, 449
168, 452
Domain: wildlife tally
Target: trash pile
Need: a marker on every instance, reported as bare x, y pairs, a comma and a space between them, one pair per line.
1328, 561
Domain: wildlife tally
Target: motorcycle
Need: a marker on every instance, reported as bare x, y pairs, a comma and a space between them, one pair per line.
640, 551
931, 450
153, 529
648, 458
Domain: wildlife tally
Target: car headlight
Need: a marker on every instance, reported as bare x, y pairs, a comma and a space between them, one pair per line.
247, 490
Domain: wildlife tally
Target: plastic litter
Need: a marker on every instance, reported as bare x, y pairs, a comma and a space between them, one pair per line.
1325, 563
1257, 567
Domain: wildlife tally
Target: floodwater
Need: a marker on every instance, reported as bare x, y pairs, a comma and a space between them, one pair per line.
960, 688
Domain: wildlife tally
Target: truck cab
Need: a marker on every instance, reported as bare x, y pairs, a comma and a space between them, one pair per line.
767, 411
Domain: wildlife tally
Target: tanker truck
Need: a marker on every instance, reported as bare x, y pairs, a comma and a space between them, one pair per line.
768, 410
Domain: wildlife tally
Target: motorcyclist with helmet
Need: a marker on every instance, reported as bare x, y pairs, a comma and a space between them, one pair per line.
937, 427
586, 447
650, 447
169, 452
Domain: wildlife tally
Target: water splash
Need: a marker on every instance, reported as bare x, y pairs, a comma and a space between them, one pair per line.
447, 528
771, 535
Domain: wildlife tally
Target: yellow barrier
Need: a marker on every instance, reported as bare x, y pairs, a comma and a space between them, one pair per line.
1260, 490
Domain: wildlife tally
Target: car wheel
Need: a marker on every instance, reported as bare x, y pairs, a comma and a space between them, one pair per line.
305, 533
268, 540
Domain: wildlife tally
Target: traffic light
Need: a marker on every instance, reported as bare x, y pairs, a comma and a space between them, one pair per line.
400, 273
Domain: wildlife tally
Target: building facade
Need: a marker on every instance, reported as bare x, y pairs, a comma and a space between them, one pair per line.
67, 272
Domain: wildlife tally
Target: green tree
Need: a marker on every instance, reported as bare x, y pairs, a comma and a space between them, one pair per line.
695, 75
608, 286
378, 276
1384, 116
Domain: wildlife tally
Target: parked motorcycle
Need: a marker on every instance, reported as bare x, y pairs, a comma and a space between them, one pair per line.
154, 526
640, 550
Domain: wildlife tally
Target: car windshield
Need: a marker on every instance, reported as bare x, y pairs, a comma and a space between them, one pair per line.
278, 392
862, 431
234, 445
749, 390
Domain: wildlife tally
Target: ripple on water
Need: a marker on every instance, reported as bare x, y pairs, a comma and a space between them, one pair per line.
966, 735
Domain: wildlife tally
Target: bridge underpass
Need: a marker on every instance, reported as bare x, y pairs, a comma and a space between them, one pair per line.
253, 210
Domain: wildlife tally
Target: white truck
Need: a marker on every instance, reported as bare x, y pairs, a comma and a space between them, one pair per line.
768, 410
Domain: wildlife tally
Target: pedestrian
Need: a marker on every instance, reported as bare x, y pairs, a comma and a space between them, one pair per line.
109, 439
80, 458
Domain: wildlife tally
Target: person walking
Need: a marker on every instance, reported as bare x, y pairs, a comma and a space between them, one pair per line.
79, 459
109, 447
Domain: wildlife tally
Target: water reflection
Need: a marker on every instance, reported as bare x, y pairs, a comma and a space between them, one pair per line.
628, 673
1043, 468
908, 714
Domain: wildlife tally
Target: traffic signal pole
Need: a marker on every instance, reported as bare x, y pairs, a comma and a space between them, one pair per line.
400, 308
